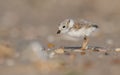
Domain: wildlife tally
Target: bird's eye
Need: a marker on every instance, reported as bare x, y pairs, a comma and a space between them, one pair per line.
63, 26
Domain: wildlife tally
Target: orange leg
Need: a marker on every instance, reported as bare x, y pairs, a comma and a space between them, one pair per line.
85, 43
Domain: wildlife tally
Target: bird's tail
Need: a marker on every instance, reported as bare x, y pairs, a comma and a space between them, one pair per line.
96, 26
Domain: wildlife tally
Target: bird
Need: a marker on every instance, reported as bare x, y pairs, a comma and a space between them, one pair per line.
82, 28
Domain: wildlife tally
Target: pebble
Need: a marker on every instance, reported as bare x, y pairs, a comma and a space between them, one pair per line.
83, 53
50, 45
106, 53
39, 50
34, 51
6, 51
117, 49
52, 54
59, 51
78, 50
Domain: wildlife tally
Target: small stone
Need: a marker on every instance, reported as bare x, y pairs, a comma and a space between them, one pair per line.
6, 51
52, 54
83, 53
34, 51
50, 45
106, 53
99, 49
59, 51
117, 49
78, 50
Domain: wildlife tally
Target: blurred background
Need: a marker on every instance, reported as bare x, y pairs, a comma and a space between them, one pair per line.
31, 19
22, 21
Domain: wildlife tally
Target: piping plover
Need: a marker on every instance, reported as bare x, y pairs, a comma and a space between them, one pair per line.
79, 29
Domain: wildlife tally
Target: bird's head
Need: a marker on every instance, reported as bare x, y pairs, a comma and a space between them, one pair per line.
65, 26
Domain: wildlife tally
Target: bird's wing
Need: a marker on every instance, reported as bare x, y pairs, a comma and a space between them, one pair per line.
77, 26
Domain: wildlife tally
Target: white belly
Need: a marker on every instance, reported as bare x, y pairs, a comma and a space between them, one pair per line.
81, 32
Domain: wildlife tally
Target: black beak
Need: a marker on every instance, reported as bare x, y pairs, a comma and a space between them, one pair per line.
58, 32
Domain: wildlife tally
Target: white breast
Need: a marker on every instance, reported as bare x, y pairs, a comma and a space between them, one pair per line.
81, 32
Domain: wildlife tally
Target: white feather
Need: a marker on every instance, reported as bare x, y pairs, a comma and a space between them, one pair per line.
71, 23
